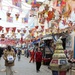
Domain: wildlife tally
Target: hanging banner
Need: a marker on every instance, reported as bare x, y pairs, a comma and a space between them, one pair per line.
16, 3
25, 19
13, 29
18, 30
9, 19
7, 30
1, 28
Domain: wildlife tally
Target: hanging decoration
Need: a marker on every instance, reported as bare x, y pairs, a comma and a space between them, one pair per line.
16, 3
32, 12
10, 9
24, 31
2, 31
42, 27
2, 37
7, 29
25, 19
46, 14
18, 30
30, 31
17, 16
13, 29
46, 30
1, 28
41, 18
36, 27
68, 12
8, 14
9, 18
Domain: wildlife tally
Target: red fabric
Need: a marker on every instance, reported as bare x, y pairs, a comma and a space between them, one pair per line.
13, 29
1, 28
32, 54
7, 29
50, 15
38, 56
42, 27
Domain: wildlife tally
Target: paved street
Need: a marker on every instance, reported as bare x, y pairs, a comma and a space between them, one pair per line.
23, 67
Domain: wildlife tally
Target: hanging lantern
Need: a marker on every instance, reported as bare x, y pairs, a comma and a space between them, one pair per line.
21, 40
17, 16
46, 30
22, 34
2, 37
2, 31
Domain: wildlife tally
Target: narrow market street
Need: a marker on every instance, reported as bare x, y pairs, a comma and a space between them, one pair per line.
23, 67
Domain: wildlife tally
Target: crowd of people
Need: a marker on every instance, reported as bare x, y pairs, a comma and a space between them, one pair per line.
9, 55
35, 56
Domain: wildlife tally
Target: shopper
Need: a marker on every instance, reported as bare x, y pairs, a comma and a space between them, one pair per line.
9, 57
32, 54
38, 58
19, 54
1, 52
